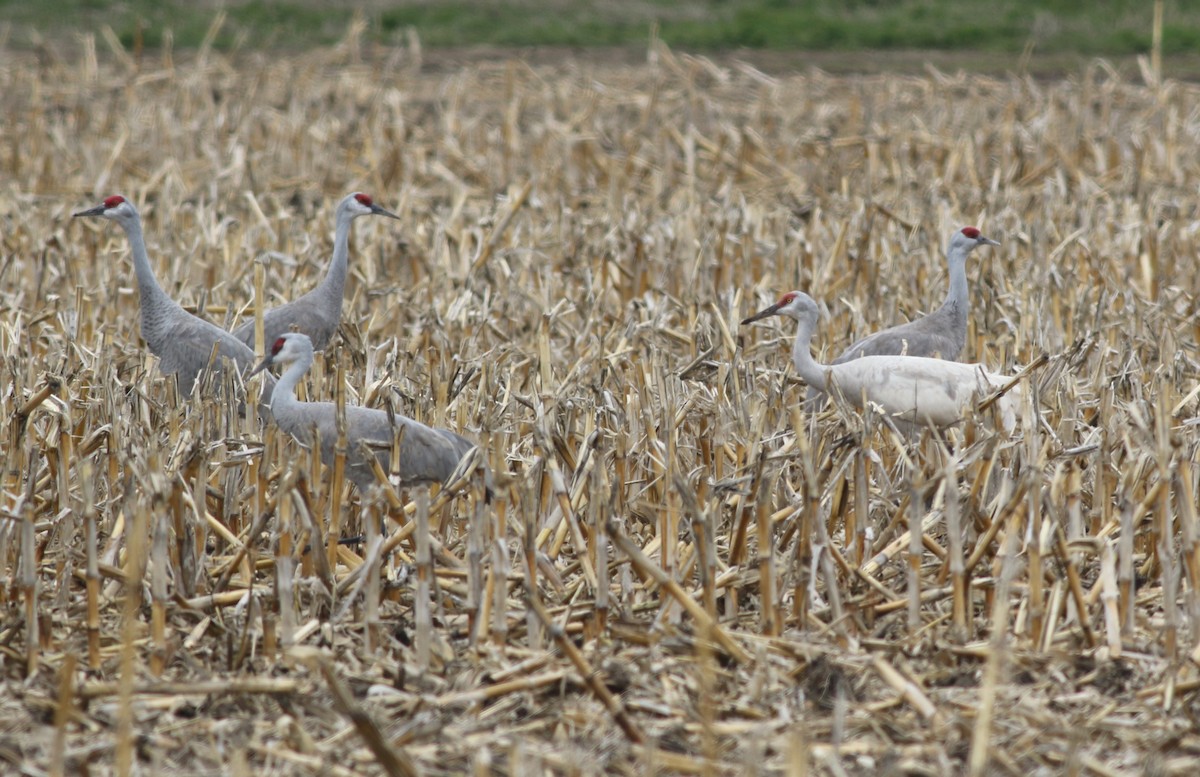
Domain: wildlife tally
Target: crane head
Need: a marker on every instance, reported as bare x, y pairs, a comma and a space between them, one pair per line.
358, 204
114, 207
287, 348
794, 304
966, 240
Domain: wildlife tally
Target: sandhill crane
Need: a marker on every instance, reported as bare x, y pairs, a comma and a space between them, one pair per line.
426, 454
941, 334
913, 390
182, 342
318, 313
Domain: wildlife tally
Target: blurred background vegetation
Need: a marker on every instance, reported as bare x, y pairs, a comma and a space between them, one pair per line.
987, 28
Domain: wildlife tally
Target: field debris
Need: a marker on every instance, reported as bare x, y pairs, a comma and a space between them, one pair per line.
681, 571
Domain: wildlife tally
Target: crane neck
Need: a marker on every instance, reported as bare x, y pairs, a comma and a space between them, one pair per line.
957, 302
334, 282
807, 367
284, 396
154, 302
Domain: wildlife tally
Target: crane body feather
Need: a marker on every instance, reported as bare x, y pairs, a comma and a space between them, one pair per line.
919, 391
426, 454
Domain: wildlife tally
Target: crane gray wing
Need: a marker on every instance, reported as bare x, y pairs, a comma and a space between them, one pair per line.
426, 454
310, 314
186, 347
904, 341
939, 335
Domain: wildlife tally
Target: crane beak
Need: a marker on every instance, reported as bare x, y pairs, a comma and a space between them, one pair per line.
96, 211
987, 241
262, 365
771, 311
378, 211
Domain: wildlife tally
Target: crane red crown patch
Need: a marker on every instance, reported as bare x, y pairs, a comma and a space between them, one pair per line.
114, 201
971, 232
786, 298
365, 199
279, 343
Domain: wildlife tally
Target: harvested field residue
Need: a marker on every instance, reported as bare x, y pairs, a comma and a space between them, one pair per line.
680, 570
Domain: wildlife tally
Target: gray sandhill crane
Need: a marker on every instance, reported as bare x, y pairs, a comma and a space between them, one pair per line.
318, 313
913, 390
941, 334
182, 342
427, 455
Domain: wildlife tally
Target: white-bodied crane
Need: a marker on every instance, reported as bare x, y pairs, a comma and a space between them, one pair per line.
912, 390
318, 313
182, 342
427, 455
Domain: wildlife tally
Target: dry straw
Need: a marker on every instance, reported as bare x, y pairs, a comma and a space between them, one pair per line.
679, 569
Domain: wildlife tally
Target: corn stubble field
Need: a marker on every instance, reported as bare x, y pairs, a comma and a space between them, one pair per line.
681, 571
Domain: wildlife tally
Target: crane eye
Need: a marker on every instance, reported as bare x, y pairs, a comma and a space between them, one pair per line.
787, 298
